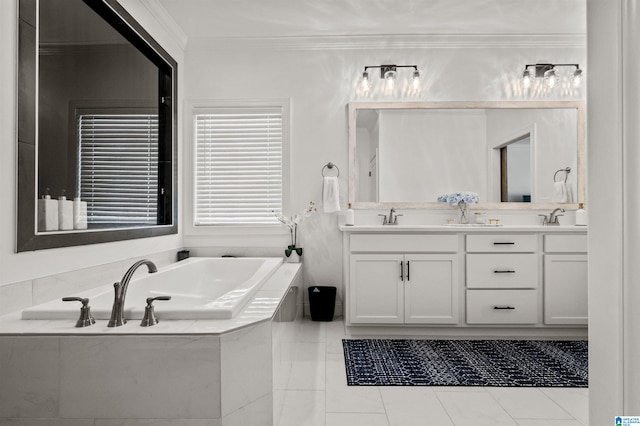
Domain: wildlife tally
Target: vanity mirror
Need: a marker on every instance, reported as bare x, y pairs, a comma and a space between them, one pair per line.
406, 154
96, 125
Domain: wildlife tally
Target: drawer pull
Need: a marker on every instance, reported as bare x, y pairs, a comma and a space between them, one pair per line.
408, 270
503, 243
504, 272
401, 270
504, 307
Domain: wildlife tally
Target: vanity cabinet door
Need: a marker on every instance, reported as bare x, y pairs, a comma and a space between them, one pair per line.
376, 293
431, 289
565, 289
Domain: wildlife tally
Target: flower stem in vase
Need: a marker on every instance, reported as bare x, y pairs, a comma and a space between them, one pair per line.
464, 212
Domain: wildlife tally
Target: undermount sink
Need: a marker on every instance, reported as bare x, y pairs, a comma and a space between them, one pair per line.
475, 225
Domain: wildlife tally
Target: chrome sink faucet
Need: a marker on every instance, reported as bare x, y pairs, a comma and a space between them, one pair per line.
117, 311
552, 220
392, 219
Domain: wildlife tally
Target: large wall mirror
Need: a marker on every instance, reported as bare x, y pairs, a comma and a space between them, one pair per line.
96, 126
514, 155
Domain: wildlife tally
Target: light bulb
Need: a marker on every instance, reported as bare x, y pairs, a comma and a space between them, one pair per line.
525, 81
577, 78
416, 82
390, 77
550, 78
366, 83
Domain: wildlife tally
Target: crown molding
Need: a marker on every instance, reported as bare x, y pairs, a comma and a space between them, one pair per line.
418, 41
167, 22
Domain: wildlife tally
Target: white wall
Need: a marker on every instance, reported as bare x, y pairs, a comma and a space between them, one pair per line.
614, 178
29, 265
321, 78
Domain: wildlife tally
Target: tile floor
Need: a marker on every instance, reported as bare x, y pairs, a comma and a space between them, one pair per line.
314, 392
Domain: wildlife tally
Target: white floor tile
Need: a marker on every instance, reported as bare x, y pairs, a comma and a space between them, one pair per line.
574, 400
413, 406
474, 409
302, 408
317, 394
307, 376
528, 403
356, 419
354, 399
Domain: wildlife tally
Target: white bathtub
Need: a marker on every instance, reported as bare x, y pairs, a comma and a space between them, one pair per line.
200, 288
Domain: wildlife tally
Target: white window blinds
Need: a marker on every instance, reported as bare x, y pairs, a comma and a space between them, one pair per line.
118, 167
238, 166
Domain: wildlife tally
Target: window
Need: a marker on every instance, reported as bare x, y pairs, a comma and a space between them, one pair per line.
118, 167
239, 164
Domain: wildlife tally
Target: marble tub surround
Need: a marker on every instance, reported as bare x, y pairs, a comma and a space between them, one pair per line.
20, 295
202, 372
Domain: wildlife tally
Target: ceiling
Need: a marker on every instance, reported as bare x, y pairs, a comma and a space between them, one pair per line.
295, 18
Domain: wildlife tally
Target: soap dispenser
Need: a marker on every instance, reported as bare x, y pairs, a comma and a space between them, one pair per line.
47, 213
349, 217
65, 213
79, 214
581, 215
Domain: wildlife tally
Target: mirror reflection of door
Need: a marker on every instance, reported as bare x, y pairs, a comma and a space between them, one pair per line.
515, 170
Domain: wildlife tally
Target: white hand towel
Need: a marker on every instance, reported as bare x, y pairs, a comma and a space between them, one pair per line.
560, 192
569, 191
330, 194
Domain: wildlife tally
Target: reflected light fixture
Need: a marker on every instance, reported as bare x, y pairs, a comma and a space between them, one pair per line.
389, 73
548, 73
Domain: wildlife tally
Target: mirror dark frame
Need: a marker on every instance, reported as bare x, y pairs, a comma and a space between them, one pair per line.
27, 238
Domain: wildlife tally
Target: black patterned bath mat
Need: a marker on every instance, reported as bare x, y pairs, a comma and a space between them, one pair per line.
515, 363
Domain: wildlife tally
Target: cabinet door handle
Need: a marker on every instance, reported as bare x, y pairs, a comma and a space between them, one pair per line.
408, 270
504, 307
507, 271
401, 270
497, 243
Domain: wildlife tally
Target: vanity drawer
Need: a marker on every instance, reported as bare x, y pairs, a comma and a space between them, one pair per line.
565, 243
404, 243
502, 307
502, 270
503, 243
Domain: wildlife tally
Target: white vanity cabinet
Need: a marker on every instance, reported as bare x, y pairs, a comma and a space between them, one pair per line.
403, 279
465, 281
565, 280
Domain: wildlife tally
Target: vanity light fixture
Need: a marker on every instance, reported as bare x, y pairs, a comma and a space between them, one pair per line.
548, 73
389, 73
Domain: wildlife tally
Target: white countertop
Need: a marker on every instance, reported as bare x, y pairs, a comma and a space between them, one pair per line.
459, 228
261, 308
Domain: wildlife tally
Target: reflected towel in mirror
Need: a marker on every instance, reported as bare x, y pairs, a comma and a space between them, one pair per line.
330, 194
562, 192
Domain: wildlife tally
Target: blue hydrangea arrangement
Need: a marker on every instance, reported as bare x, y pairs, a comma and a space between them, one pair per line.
455, 198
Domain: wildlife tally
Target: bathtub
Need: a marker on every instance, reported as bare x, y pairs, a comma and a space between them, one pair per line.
200, 288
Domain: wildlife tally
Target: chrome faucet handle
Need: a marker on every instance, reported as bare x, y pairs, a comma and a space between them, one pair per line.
384, 221
395, 219
85, 319
149, 314
545, 221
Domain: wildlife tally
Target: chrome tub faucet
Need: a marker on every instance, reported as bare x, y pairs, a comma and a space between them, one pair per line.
117, 311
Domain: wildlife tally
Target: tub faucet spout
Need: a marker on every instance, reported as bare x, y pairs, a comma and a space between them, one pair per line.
120, 292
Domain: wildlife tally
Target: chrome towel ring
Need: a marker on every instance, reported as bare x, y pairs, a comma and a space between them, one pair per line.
566, 170
330, 166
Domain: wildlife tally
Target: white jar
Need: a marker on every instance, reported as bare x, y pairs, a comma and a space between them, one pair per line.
479, 218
